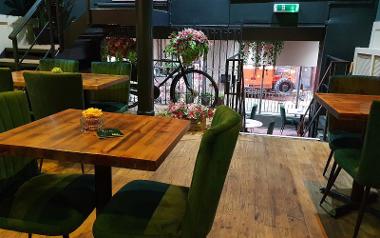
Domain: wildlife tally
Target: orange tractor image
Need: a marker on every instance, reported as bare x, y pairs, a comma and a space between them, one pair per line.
283, 82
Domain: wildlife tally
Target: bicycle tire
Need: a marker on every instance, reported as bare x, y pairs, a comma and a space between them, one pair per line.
214, 95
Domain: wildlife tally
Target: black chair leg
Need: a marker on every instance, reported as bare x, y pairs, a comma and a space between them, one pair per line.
333, 175
41, 163
65, 236
82, 167
282, 129
328, 162
29, 235
361, 211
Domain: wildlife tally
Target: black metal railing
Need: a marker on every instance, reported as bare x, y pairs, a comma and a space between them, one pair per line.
314, 111
39, 7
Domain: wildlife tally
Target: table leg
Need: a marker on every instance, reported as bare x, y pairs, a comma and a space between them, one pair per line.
103, 186
87, 100
351, 203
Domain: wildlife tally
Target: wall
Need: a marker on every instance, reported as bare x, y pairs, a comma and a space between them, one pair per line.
299, 53
5, 29
378, 14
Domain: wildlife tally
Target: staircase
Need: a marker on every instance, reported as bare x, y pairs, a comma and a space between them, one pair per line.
30, 62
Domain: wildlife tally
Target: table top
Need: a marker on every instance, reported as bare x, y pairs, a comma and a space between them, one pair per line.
346, 106
253, 123
91, 81
146, 142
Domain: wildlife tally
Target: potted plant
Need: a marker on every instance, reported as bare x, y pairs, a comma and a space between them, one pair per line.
196, 113
188, 44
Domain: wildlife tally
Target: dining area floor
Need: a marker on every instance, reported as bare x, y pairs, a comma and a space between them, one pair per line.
271, 190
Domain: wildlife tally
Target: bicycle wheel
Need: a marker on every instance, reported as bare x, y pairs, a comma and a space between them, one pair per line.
194, 86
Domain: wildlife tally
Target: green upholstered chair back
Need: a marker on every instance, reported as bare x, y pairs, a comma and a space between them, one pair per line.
6, 82
115, 93
352, 84
369, 166
50, 93
253, 112
283, 113
211, 167
271, 128
70, 66
14, 112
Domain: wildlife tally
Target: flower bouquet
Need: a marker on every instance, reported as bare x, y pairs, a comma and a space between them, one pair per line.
119, 47
196, 113
92, 119
188, 44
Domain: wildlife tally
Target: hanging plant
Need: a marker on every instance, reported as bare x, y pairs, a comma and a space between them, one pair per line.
262, 52
188, 44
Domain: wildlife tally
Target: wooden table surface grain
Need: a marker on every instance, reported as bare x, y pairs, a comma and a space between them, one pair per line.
347, 106
145, 144
91, 81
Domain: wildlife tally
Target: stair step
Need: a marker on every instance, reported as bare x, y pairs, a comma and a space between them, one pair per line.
25, 62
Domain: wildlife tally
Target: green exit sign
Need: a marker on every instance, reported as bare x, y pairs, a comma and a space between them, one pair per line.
286, 8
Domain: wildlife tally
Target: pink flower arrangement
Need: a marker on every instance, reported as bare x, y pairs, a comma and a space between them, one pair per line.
189, 44
120, 47
195, 112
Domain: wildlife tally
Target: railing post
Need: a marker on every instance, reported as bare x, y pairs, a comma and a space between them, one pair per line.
15, 53
48, 6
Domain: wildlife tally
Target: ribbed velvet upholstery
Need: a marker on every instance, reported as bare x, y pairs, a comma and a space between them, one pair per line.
70, 66
6, 82
157, 210
37, 203
14, 112
116, 97
50, 93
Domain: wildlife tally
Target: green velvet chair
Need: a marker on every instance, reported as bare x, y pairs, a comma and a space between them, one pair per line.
348, 133
153, 209
70, 66
286, 121
6, 82
253, 112
34, 203
116, 97
271, 128
362, 165
50, 93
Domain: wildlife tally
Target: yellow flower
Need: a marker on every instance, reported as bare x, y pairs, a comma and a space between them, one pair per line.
92, 112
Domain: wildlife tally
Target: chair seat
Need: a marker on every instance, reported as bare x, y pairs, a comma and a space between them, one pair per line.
143, 209
49, 204
343, 139
110, 106
349, 160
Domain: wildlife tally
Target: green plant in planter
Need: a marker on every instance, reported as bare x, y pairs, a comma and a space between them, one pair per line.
206, 99
188, 44
262, 52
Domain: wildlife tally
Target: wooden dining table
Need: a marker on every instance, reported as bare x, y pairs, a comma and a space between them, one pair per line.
145, 144
347, 107
91, 81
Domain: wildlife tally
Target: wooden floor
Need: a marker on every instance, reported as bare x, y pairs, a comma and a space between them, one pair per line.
272, 190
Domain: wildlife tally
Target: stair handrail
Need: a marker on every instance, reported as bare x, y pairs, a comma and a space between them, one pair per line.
21, 26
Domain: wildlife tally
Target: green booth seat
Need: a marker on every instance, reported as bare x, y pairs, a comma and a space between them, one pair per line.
348, 133
50, 93
363, 165
6, 82
71, 66
116, 97
35, 203
153, 209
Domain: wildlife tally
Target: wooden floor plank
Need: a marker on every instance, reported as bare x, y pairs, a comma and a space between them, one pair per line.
272, 190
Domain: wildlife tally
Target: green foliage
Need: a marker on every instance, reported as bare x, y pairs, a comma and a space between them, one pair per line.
262, 52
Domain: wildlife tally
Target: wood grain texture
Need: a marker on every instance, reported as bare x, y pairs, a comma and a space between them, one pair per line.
346, 106
91, 81
145, 144
271, 190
